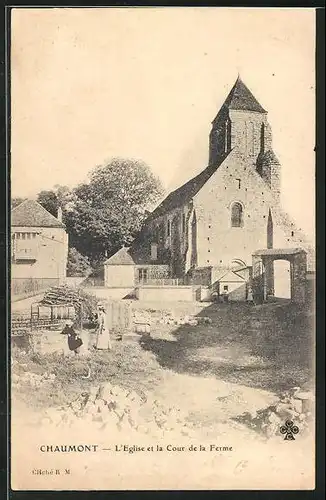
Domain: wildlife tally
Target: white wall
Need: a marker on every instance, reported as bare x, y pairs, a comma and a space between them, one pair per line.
166, 293
51, 251
119, 276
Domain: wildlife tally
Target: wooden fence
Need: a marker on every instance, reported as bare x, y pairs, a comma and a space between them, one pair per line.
24, 326
119, 318
119, 315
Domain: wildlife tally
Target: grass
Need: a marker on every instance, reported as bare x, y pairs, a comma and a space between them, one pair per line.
267, 347
128, 366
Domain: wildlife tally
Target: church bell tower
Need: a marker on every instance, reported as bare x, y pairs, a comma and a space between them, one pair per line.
242, 123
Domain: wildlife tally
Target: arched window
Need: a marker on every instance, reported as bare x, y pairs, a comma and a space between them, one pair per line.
236, 215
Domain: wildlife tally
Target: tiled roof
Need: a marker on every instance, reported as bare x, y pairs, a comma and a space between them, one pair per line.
240, 98
31, 214
186, 192
121, 258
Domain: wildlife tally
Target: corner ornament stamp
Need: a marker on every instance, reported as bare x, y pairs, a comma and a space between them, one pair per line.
289, 429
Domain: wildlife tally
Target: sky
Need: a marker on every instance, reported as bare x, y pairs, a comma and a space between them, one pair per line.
146, 83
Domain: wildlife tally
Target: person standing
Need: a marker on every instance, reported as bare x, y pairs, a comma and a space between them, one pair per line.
103, 340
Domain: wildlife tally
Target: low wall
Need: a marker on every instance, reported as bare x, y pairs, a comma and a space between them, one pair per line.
27, 287
109, 293
166, 293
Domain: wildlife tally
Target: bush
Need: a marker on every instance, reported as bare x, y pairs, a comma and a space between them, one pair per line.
78, 264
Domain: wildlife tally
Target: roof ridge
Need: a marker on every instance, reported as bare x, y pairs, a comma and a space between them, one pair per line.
240, 98
31, 213
188, 190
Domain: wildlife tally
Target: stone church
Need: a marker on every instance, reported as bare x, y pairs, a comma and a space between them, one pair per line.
211, 225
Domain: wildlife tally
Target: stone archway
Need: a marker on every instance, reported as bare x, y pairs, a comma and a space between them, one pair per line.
263, 278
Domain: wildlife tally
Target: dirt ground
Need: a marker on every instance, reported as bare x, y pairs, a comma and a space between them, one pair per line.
213, 372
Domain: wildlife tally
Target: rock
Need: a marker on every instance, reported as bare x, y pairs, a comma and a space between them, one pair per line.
305, 395
133, 396
273, 418
99, 391
297, 405
93, 393
92, 408
119, 413
307, 399
193, 322
100, 405
280, 407
271, 429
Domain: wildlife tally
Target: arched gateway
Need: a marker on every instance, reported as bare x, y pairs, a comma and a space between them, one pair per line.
263, 275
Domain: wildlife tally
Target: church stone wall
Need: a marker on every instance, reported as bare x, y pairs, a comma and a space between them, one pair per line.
247, 133
218, 242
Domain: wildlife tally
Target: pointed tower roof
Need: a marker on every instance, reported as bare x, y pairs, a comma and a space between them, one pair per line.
31, 214
240, 98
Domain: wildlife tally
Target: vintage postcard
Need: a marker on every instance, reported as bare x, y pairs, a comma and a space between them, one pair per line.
162, 248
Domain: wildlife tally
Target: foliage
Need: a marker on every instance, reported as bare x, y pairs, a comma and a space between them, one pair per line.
105, 213
52, 199
109, 211
49, 201
78, 264
16, 201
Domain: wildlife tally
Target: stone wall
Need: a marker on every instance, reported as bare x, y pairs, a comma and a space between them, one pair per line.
200, 276
165, 293
171, 232
154, 272
250, 176
262, 281
217, 242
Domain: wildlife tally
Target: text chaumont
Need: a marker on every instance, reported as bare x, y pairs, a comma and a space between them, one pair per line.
68, 448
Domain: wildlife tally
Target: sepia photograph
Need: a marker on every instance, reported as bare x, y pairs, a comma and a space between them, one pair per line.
162, 272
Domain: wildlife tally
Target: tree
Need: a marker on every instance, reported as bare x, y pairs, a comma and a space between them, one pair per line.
16, 201
78, 264
49, 200
109, 211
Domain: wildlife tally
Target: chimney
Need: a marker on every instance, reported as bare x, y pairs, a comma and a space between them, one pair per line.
59, 216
